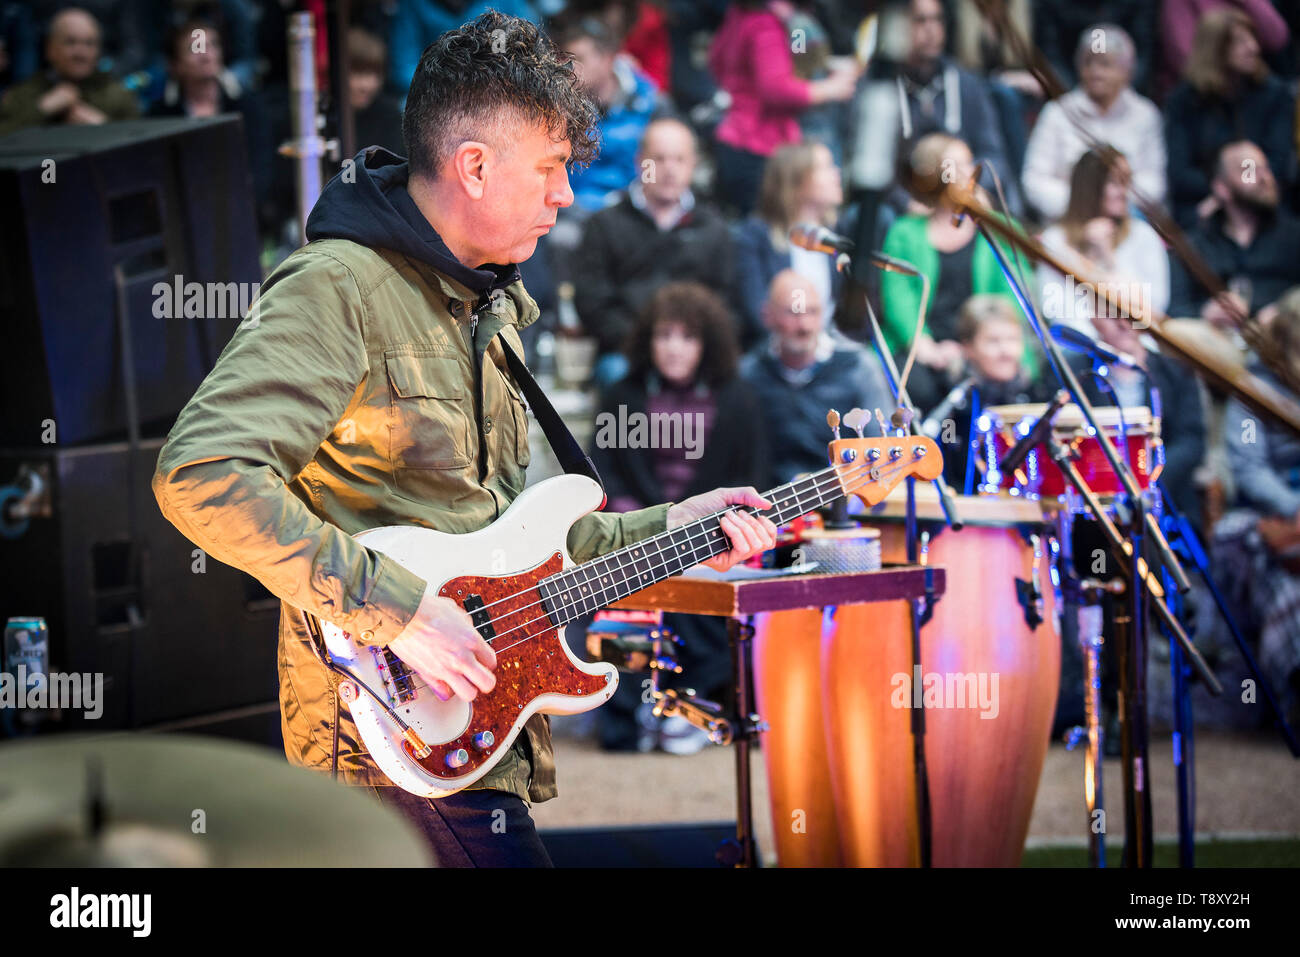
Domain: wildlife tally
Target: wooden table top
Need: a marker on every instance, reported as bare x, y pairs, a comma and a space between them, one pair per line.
710, 596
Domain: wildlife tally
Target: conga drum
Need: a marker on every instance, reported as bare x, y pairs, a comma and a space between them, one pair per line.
789, 648
787, 693
988, 680
868, 742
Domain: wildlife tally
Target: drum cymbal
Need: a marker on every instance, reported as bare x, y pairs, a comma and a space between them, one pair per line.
171, 800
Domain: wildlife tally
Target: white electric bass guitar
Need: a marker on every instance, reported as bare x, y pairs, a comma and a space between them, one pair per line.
520, 588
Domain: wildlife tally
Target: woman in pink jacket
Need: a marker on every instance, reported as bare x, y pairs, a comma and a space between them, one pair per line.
751, 58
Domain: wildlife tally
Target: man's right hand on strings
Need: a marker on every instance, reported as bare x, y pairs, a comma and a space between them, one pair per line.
440, 644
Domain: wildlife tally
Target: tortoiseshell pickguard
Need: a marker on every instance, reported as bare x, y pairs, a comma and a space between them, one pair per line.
530, 663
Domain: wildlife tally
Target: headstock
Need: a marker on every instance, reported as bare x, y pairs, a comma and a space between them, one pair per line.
871, 468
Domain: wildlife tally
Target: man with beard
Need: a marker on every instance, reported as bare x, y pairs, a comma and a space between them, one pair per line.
1248, 241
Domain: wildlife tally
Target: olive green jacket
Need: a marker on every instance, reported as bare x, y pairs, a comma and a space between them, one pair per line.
345, 401
19, 108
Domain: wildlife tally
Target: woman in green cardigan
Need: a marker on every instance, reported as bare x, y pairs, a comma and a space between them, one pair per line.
959, 265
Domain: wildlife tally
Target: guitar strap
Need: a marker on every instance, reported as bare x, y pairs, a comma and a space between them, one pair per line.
572, 459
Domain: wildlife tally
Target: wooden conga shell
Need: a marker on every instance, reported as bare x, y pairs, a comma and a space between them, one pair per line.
984, 771
787, 687
868, 740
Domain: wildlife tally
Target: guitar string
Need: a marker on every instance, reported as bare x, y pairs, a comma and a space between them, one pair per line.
815, 477
796, 497
816, 491
819, 487
568, 606
599, 597
703, 534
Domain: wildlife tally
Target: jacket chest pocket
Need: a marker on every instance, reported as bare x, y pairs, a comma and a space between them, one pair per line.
519, 415
432, 413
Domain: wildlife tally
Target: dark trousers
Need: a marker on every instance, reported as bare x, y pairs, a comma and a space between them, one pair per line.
479, 828
739, 174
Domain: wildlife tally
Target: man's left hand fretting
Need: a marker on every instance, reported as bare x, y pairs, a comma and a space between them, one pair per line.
749, 534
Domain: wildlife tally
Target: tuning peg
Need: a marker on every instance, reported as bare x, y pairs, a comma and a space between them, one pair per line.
857, 420
880, 420
901, 419
833, 420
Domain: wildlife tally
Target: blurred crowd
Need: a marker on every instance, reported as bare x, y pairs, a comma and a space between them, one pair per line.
724, 124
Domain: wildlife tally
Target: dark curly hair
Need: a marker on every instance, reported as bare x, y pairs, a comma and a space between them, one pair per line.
704, 314
480, 73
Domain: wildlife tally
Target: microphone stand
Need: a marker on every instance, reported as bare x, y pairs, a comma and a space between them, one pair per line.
919, 615
1138, 844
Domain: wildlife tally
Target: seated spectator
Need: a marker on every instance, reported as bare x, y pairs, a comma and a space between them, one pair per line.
991, 333
683, 354
801, 184
1249, 241
1178, 21
936, 95
751, 59
200, 85
198, 82
71, 90
655, 233
1100, 240
1162, 385
627, 99
1227, 94
802, 372
1059, 23
376, 115
957, 265
1108, 109
1255, 544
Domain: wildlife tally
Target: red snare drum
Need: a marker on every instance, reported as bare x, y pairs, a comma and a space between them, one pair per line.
1001, 426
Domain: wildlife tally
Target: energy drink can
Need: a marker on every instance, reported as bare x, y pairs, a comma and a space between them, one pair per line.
27, 659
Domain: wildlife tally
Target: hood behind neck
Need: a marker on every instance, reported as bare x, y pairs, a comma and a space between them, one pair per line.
376, 210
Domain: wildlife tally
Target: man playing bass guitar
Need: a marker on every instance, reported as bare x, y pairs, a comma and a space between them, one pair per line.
369, 387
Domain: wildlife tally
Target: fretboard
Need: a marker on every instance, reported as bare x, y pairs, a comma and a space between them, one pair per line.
569, 595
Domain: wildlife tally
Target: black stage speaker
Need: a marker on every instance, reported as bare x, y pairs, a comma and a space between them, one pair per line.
92, 219
125, 595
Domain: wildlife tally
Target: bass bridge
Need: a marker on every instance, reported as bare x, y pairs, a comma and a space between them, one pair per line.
399, 680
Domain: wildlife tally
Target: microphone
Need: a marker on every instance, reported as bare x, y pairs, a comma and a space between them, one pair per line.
819, 239
1035, 436
1078, 341
955, 399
